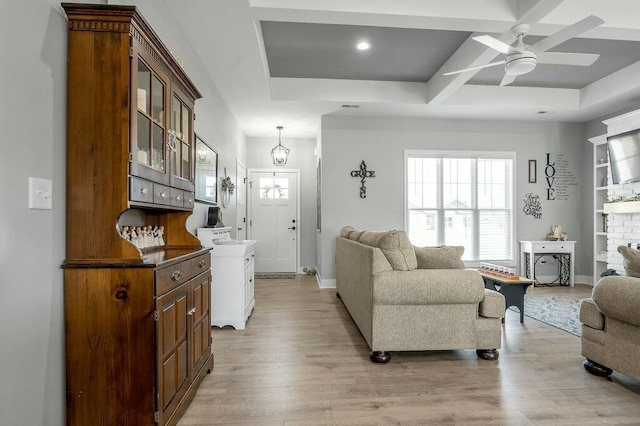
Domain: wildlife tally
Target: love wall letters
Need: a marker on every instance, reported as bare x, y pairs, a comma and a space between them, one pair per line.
559, 179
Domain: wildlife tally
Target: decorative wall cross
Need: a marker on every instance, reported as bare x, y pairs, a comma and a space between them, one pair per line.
363, 173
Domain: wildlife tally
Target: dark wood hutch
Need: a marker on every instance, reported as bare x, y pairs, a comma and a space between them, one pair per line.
137, 333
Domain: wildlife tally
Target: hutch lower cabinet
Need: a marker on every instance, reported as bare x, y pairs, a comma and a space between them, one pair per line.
137, 284
138, 340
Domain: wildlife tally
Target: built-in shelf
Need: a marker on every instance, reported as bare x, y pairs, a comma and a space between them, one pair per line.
601, 187
622, 207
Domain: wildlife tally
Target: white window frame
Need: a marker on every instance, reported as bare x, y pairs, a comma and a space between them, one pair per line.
411, 153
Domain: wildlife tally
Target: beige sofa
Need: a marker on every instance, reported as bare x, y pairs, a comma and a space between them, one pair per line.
411, 299
611, 327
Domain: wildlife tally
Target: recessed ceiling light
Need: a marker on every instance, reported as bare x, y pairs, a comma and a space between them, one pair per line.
363, 45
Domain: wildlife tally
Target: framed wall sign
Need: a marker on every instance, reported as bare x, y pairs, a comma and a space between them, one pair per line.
533, 170
206, 173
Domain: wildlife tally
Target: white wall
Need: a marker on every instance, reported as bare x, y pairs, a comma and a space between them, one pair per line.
301, 157
32, 242
346, 141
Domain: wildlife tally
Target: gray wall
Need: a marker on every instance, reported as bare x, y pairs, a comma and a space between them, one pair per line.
346, 141
301, 157
32, 242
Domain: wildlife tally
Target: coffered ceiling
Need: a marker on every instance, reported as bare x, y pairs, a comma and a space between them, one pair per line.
288, 62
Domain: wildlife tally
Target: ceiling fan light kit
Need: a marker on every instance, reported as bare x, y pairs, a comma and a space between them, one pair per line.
522, 59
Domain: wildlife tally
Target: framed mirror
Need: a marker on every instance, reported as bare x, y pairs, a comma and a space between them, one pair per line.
206, 173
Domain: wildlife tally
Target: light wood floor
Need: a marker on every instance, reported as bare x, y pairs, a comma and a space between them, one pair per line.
302, 361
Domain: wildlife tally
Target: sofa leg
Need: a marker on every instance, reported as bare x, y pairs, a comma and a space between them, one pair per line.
380, 357
488, 354
596, 369
338, 295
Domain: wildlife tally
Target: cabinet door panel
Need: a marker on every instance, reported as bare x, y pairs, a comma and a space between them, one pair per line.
148, 120
201, 296
173, 346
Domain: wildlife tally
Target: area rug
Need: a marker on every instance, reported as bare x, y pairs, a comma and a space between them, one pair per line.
558, 311
275, 275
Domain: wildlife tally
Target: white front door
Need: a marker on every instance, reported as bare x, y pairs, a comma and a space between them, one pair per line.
273, 216
241, 199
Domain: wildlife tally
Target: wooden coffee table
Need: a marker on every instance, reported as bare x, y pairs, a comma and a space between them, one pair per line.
512, 287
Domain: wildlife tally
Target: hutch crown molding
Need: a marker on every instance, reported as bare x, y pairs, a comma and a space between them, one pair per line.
137, 316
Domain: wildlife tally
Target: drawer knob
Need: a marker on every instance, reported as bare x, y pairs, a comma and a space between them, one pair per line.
192, 311
175, 275
177, 197
143, 190
202, 263
191, 200
247, 259
163, 194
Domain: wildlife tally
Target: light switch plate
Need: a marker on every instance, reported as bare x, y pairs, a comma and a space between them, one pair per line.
40, 194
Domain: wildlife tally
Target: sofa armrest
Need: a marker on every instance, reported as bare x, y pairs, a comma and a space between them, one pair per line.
590, 315
428, 287
618, 297
493, 304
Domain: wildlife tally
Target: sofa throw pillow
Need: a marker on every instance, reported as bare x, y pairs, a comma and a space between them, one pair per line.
355, 235
346, 231
631, 261
445, 257
396, 248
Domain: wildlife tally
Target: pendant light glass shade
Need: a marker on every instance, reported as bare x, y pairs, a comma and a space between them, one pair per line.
279, 154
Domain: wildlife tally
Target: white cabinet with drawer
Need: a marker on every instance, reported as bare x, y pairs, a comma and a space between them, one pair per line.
232, 296
232, 271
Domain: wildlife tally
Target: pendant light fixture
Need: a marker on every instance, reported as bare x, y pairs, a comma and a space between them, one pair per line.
279, 154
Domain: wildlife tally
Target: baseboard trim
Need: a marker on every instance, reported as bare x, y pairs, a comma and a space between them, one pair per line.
325, 283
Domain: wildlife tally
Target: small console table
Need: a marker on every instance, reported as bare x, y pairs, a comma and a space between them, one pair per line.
531, 251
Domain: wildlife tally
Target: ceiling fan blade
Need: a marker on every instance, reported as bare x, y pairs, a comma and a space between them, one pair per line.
507, 79
498, 45
567, 33
562, 58
492, 64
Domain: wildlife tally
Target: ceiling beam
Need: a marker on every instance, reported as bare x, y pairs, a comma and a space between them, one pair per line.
472, 54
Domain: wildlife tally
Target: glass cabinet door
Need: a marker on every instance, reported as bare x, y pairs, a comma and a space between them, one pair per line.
149, 148
181, 144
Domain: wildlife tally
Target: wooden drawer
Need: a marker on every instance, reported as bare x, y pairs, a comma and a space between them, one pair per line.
140, 190
177, 196
189, 198
200, 264
161, 194
172, 276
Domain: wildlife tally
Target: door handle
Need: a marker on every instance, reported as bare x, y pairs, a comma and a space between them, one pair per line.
239, 229
293, 227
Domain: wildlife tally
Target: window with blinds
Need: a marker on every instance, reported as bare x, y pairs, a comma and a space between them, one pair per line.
466, 199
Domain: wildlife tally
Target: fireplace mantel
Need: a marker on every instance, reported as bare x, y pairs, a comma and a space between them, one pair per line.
622, 207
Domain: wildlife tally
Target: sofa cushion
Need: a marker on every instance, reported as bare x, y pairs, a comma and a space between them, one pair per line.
396, 247
493, 304
445, 257
346, 231
631, 261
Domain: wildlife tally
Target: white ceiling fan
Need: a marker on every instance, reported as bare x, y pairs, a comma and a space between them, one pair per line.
522, 59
